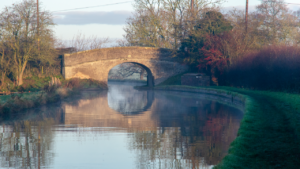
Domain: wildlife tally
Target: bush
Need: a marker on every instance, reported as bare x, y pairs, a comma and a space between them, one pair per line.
84, 83
272, 68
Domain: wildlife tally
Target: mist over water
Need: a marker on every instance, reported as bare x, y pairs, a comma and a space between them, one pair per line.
121, 128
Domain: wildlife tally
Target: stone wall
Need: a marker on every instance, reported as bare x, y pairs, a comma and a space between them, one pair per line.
96, 64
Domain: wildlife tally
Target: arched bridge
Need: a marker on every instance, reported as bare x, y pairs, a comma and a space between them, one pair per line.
96, 64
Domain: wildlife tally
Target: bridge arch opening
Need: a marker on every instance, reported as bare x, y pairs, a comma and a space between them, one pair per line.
133, 71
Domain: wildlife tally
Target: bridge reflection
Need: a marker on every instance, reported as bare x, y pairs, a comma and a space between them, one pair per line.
164, 126
127, 101
119, 107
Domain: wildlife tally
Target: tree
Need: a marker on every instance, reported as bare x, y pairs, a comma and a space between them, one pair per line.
21, 34
5, 60
196, 45
237, 42
81, 43
279, 25
214, 23
164, 23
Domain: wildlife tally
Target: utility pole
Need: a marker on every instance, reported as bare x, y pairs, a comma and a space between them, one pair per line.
192, 13
246, 18
38, 24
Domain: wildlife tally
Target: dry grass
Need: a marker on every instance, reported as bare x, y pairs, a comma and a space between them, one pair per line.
84, 83
48, 94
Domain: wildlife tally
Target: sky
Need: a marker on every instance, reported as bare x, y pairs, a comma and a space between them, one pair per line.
104, 20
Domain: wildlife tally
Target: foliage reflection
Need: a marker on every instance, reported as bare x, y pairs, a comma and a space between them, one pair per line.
194, 134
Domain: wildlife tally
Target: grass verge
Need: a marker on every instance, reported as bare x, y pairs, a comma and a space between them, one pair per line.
127, 80
174, 80
14, 103
269, 134
17, 102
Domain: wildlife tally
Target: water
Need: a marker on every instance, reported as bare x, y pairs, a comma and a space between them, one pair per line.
121, 128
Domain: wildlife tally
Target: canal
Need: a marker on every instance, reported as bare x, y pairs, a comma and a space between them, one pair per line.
121, 128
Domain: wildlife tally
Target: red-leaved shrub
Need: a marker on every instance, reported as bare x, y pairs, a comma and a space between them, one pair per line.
272, 68
212, 53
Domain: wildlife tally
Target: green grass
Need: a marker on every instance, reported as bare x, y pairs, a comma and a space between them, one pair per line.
174, 80
5, 98
127, 80
33, 84
14, 103
269, 134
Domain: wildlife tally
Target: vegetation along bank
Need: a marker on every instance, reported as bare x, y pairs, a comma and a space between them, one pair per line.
54, 91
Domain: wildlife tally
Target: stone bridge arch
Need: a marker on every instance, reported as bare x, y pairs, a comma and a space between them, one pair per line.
150, 77
96, 64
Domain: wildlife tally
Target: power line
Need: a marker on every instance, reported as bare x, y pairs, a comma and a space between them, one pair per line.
293, 3
283, 2
120, 3
92, 6
246, 17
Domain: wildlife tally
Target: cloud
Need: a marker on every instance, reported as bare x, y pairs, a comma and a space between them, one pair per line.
228, 8
252, 8
116, 17
84, 18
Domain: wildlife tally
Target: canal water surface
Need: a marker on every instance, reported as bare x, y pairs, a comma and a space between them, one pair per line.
121, 128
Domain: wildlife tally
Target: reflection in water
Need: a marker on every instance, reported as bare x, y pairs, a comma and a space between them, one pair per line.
193, 133
121, 128
124, 99
26, 143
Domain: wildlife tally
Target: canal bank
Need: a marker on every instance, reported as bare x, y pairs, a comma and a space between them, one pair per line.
10, 104
269, 133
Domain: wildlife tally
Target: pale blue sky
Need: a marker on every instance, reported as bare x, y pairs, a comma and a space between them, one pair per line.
108, 21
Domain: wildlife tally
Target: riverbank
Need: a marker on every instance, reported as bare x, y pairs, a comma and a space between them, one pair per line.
269, 133
10, 104
128, 81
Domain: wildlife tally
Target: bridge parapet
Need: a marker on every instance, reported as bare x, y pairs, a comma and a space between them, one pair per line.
117, 53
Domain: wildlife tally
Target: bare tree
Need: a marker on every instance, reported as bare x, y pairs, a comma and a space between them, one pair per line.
164, 23
126, 70
20, 34
5, 61
122, 42
279, 24
81, 42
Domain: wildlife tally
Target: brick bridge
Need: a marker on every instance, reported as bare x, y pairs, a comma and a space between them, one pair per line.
96, 64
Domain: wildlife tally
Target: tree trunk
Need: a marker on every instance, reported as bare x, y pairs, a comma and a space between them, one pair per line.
142, 74
20, 77
2, 78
